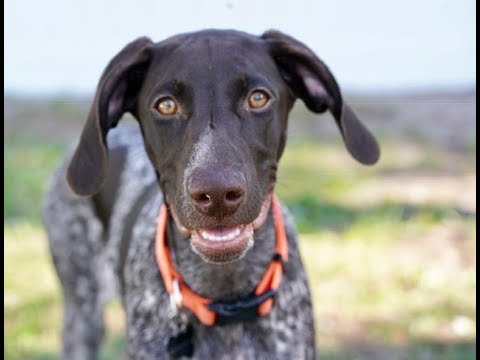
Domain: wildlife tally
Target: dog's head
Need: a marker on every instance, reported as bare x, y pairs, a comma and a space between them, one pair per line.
213, 108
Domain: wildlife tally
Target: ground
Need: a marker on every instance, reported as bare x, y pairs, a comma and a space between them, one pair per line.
389, 249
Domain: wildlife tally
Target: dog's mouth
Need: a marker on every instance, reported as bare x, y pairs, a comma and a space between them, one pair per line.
222, 245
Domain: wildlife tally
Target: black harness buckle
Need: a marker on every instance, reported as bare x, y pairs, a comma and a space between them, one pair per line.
245, 309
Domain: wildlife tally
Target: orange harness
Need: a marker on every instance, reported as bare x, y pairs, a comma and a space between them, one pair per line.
206, 310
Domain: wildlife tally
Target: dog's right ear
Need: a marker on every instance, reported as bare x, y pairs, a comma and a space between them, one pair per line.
116, 94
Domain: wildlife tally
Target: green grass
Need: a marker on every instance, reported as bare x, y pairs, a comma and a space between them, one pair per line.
27, 164
408, 303
392, 276
31, 294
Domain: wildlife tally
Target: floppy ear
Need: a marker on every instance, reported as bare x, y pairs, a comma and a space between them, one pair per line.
311, 80
116, 93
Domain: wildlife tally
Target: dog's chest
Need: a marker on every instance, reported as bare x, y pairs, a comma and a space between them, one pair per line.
287, 332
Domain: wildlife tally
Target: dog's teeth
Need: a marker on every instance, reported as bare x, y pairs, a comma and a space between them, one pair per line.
226, 237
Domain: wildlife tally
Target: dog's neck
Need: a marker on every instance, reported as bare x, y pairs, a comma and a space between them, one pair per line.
228, 281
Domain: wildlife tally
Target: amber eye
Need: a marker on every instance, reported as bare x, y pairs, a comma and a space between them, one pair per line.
166, 106
258, 99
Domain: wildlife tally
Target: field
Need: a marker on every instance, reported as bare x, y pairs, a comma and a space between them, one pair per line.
390, 249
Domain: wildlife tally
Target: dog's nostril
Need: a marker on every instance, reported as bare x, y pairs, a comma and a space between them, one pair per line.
232, 196
202, 198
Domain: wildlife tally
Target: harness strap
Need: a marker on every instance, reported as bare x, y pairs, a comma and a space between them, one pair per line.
210, 312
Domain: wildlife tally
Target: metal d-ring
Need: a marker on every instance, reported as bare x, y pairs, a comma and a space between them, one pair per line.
178, 320
175, 298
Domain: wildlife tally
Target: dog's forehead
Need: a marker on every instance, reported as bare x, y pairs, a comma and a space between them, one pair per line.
227, 51
214, 36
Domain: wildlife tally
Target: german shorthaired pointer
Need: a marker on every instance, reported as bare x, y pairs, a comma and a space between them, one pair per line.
213, 276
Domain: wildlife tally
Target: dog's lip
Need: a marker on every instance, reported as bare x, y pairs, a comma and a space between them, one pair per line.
221, 234
233, 244
183, 230
224, 244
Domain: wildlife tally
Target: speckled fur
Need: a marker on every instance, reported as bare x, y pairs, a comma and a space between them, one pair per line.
102, 244
86, 257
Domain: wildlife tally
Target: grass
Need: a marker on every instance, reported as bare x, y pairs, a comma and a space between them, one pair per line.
389, 250
31, 294
361, 301
24, 185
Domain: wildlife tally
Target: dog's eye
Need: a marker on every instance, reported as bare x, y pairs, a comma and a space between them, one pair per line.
166, 106
258, 99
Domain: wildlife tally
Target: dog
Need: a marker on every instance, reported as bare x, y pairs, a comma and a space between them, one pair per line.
177, 214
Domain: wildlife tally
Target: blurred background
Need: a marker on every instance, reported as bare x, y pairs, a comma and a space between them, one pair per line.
389, 249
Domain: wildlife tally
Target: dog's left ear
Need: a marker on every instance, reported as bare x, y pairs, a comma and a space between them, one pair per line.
311, 80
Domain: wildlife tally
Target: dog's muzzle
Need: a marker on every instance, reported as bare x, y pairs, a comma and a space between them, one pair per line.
221, 245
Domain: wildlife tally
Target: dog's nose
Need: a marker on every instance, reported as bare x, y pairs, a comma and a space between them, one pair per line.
217, 193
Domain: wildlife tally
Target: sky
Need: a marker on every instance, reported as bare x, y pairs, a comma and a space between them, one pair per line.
58, 46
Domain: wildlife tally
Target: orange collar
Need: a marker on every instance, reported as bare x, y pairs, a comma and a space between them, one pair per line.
206, 310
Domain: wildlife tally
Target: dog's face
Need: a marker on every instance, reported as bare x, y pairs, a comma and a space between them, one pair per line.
213, 108
226, 108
